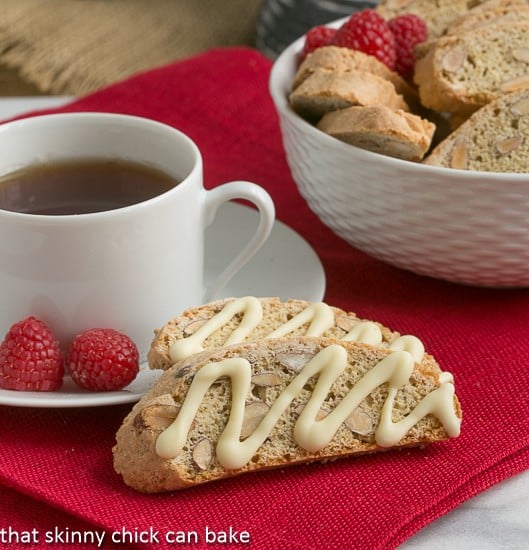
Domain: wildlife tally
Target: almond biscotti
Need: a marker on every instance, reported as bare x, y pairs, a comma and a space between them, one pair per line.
324, 91
382, 130
493, 139
493, 16
437, 14
272, 403
493, 4
461, 73
342, 60
236, 320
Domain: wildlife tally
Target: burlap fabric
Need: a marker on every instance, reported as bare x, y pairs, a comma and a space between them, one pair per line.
74, 47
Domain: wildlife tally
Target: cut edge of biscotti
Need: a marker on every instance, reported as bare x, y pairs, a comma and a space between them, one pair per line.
238, 319
325, 90
340, 59
382, 130
437, 15
479, 18
271, 403
455, 77
494, 139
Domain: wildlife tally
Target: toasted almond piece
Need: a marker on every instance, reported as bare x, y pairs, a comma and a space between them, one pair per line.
253, 414
193, 326
515, 84
164, 399
521, 54
203, 454
294, 361
454, 59
345, 323
360, 422
266, 379
506, 145
459, 158
521, 107
159, 414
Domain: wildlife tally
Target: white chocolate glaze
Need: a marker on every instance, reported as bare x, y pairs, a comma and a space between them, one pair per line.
318, 314
366, 332
309, 433
411, 344
252, 311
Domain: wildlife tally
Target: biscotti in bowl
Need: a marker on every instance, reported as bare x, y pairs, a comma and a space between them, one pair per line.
457, 223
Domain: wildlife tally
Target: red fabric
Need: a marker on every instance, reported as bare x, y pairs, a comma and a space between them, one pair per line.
56, 465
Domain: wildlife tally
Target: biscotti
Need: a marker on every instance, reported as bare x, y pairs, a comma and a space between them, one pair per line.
273, 403
438, 15
324, 91
341, 60
382, 130
494, 16
493, 139
488, 5
235, 320
461, 73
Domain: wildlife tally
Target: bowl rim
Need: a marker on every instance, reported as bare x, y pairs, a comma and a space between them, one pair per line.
280, 80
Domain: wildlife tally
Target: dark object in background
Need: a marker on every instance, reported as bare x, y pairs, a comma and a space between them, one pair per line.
282, 21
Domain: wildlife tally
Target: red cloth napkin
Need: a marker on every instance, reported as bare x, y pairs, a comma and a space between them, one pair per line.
56, 465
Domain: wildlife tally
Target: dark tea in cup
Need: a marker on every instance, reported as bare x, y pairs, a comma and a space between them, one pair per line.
81, 186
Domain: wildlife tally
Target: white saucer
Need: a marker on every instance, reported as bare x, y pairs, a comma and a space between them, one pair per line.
286, 267
71, 395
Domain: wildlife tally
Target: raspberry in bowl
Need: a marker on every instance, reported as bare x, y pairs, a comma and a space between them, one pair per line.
461, 225
367, 31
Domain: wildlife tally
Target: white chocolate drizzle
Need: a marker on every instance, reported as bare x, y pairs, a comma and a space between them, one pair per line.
309, 433
319, 315
366, 332
252, 311
411, 344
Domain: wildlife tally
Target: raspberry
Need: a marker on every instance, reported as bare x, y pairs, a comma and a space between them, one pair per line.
409, 30
316, 38
102, 359
368, 32
30, 358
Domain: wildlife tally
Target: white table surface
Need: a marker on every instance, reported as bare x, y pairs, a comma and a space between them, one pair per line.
497, 519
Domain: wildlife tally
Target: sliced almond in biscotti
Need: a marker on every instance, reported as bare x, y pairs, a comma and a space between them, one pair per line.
341, 60
494, 139
324, 91
519, 106
462, 73
349, 399
514, 84
381, 130
236, 320
521, 54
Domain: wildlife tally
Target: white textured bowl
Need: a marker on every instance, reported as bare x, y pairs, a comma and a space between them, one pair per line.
461, 226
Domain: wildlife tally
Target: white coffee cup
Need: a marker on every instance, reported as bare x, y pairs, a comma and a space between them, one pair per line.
132, 268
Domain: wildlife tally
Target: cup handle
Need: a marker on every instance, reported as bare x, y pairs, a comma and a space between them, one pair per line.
260, 198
